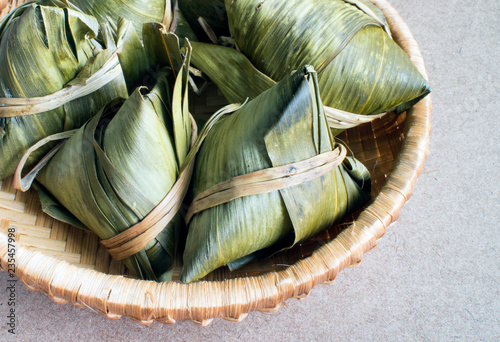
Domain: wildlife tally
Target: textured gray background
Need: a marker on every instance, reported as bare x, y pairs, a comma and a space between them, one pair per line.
435, 276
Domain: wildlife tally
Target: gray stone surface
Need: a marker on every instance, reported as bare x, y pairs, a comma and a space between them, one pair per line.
435, 276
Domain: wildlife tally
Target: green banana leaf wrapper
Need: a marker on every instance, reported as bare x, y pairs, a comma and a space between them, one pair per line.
42, 50
213, 12
183, 28
138, 12
123, 162
360, 68
283, 125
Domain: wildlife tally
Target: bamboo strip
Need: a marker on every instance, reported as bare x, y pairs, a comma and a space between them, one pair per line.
89, 247
26, 229
74, 241
102, 260
72, 258
6, 195
17, 217
12, 205
43, 243
59, 231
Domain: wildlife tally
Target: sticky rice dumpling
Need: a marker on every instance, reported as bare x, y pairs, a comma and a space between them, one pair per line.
44, 49
361, 70
262, 212
123, 174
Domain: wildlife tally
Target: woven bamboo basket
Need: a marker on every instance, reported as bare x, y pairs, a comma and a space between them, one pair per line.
70, 265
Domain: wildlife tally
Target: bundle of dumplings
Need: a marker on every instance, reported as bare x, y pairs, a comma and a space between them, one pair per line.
94, 114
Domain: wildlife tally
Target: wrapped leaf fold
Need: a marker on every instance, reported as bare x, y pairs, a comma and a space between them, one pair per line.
136, 11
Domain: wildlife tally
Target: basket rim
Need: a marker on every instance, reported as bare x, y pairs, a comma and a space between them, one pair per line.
146, 301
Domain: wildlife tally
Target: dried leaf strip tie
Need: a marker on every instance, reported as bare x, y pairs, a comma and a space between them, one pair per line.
268, 180
24, 183
342, 120
11, 107
137, 237
134, 239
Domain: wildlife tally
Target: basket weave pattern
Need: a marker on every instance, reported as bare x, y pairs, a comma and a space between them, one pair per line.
70, 265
